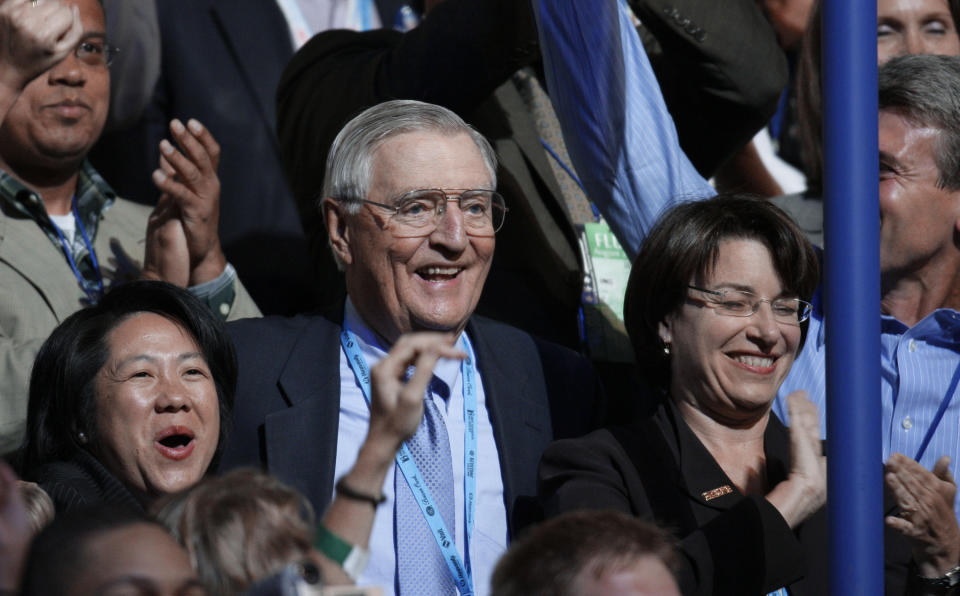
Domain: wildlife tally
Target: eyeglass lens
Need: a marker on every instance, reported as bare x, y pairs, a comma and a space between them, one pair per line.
482, 210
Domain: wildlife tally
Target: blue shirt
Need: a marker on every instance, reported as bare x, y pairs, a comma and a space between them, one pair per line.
593, 57
917, 366
489, 539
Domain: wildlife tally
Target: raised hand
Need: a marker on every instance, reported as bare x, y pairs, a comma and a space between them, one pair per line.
188, 175
805, 489
167, 257
34, 36
926, 512
396, 405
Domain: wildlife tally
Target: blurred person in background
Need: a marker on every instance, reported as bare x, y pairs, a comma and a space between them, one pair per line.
589, 552
106, 550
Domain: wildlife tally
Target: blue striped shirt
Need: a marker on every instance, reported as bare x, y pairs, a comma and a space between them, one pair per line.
917, 363
602, 87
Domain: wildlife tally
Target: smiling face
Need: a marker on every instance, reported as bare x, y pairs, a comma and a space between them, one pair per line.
135, 559
918, 220
406, 284
731, 367
60, 114
915, 27
157, 414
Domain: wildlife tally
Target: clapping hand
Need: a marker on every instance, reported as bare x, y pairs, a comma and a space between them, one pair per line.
805, 489
926, 512
183, 233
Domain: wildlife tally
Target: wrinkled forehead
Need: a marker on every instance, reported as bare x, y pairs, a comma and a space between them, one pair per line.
427, 159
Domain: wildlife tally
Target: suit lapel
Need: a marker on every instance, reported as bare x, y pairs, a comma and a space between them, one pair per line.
259, 41
301, 441
521, 425
26, 249
525, 133
523, 138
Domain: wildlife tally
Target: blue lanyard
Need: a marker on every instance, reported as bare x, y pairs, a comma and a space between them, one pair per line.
570, 172
461, 574
93, 295
947, 398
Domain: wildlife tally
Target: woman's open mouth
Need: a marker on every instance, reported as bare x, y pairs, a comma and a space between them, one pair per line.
175, 442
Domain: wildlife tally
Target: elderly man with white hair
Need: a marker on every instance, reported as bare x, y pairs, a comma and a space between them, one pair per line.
412, 217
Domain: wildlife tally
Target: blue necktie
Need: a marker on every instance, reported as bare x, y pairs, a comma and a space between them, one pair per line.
421, 568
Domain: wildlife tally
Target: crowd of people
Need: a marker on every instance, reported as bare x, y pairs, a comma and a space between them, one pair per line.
525, 332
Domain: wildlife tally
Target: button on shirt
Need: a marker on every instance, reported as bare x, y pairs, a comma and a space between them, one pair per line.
489, 538
917, 366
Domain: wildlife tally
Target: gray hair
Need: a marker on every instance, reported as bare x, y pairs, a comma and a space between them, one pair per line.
926, 90
349, 163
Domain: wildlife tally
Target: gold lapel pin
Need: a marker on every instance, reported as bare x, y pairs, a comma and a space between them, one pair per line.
717, 492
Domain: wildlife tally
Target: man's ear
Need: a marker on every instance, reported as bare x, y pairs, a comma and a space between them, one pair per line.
335, 217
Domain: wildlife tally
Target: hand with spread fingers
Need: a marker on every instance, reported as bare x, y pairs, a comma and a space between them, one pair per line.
188, 176
34, 36
15, 532
926, 515
805, 489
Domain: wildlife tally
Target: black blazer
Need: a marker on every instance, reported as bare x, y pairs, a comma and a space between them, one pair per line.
657, 469
287, 406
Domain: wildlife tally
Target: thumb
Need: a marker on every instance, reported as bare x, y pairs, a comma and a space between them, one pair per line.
942, 469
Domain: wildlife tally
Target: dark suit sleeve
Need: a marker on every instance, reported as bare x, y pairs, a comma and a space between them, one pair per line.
721, 71
747, 549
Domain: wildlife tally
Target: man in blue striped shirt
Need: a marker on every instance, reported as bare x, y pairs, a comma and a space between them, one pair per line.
919, 132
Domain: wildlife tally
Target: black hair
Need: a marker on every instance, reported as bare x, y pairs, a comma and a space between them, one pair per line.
62, 400
684, 246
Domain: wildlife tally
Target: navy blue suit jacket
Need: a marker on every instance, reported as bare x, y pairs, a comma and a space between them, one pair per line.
288, 402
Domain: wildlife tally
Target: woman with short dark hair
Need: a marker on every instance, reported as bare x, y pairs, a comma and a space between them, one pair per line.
127, 398
716, 310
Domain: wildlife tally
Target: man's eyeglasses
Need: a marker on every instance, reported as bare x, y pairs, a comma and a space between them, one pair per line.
740, 303
95, 52
418, 212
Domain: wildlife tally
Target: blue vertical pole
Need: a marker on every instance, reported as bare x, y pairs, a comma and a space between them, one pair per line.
852, 296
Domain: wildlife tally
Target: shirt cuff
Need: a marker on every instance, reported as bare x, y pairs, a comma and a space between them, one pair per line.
218, 293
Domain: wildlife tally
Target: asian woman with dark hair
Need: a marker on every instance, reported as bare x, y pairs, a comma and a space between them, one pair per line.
127, 398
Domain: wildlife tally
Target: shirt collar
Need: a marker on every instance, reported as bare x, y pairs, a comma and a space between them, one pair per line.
373, 349
94, 196
942, 323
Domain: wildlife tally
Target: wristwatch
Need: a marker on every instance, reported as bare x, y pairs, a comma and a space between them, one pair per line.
950, 579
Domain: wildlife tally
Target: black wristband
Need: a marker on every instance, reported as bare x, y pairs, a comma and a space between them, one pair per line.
343, 489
